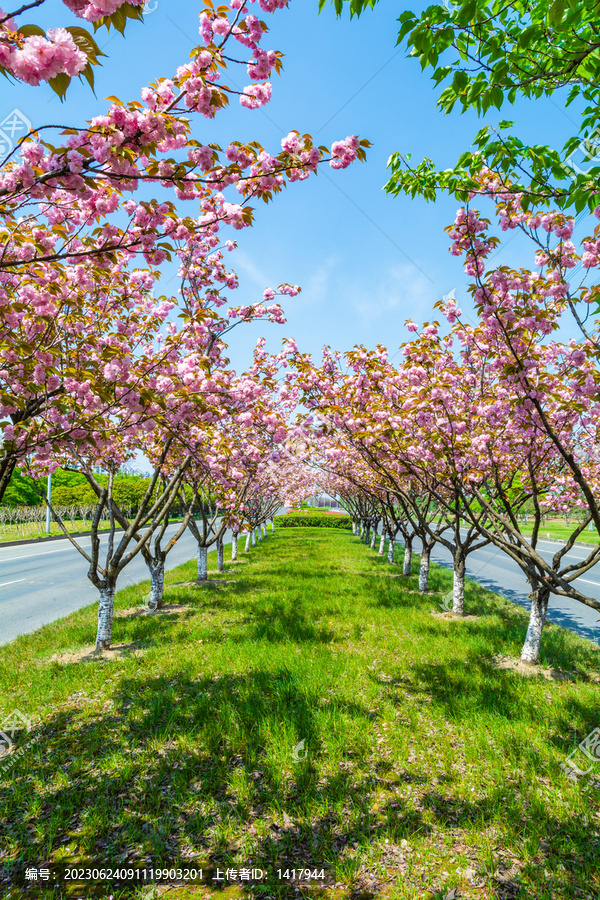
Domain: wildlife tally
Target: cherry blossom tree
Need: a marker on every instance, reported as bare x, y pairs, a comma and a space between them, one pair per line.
69, 220
29, 54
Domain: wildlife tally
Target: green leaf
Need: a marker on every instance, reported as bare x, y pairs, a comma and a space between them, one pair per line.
88, 74
28, 30
85, 42
60, 84
556, 12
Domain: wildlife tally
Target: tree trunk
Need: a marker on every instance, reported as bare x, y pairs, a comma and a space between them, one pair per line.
407, 556
254, 530
458, 588
7, 467
220, 562
248, 541
157, 583
202, 563
373, 539
539, 607
234, 539
391, 546
106, 606
382, 544
368, 535
272, 525
424, 569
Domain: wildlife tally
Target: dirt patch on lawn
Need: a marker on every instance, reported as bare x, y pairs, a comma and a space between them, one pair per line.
168, 609
88, 654
517, 665
450, 617
212, 582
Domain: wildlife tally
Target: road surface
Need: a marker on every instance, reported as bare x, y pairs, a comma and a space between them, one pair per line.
495, 570
43, 582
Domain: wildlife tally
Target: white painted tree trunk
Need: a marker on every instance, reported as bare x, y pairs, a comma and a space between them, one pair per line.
202, 563
539, 607
248, 541
264, 530
458, 587
254, 537
272, 525
106, 606
373, 539
391, 546
407, 558
424, 569
234, 540
382, 544
354, 528
220, 561
157, 583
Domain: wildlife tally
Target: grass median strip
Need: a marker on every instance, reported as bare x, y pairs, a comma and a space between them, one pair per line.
303, 712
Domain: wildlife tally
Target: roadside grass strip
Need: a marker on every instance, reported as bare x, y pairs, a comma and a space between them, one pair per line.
304, 716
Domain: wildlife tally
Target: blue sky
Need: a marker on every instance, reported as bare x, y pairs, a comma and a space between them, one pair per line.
366, 262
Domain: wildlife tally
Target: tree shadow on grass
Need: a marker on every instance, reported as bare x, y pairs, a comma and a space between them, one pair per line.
188, 765
187, 769
157, 773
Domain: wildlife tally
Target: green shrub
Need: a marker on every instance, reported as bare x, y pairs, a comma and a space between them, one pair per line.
21, 491
314, 519
74, 495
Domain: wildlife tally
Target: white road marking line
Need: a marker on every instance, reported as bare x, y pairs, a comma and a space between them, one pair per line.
568, 555
6, 583
43, 553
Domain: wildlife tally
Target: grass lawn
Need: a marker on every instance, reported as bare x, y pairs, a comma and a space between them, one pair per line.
557, 530
302, 711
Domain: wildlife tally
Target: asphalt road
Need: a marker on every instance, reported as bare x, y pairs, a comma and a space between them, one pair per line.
43, 582
496, 571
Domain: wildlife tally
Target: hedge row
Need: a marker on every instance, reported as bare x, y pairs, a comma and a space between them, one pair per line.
316, 521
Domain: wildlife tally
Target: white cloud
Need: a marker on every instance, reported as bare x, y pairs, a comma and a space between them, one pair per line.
317, 287
242, 261
400, 288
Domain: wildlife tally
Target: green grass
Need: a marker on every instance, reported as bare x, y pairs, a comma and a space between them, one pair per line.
558, 530
424, 768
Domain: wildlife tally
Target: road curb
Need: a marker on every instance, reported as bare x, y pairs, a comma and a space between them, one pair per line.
58, 537
562, 543
49, 538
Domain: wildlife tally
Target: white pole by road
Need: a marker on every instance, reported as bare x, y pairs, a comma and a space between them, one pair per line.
49, 498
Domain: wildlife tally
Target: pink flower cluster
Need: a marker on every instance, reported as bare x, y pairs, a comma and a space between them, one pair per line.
92, 10
256, 95
344, 152
42, 58
262, 64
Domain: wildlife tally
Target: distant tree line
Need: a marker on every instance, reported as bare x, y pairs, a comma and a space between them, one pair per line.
71, 489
